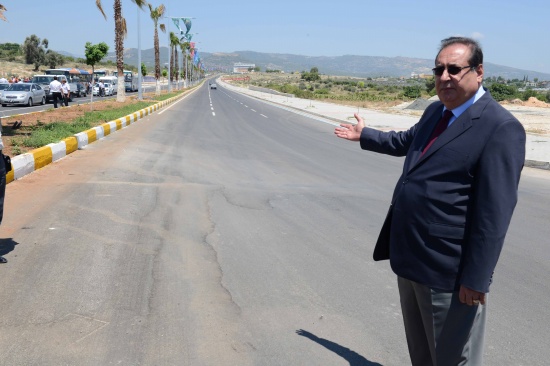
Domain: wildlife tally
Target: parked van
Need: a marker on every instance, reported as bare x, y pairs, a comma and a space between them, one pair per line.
113, 80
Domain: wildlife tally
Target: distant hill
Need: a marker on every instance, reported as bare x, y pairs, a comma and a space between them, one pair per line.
347, 65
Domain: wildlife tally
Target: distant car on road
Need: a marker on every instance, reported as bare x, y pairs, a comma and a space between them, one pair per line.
213, 86
23, 93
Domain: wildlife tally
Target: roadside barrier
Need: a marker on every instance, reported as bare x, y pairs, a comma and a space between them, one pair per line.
40, 157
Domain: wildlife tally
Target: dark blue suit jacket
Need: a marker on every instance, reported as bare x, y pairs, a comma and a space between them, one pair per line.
452, 206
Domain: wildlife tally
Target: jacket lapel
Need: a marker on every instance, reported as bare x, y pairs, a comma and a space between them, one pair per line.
423, 135
457, 128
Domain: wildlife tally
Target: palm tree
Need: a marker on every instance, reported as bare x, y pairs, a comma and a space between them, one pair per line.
120, 33
2, 10
184, 47
156, 14
174, 42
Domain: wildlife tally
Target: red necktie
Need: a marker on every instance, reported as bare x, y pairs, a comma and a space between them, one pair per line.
439, 128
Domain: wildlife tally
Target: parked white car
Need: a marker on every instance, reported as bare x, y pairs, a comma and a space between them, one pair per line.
23, 93
3, 86
109, 89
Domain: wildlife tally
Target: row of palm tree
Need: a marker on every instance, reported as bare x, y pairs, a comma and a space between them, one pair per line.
120, 33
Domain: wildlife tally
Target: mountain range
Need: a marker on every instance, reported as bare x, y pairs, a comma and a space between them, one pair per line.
347, 65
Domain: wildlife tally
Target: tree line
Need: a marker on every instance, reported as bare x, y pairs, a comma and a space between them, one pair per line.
35, 50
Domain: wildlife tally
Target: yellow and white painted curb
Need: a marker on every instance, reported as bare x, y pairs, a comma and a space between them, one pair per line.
38, 158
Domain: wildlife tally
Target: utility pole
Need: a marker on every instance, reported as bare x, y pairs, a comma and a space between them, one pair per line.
140, 92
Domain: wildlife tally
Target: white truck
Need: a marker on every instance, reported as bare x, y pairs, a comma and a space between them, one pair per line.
113, 80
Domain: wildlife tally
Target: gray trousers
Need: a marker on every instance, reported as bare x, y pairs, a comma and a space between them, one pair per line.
440, 330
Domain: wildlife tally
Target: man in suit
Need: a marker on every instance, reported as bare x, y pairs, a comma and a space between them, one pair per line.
451, 207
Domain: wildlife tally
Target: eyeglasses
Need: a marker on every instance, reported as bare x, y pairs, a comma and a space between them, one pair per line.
452, 70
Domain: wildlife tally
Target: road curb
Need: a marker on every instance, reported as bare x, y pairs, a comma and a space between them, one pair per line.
40, 157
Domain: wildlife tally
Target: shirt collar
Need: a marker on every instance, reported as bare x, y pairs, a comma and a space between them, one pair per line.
462, 108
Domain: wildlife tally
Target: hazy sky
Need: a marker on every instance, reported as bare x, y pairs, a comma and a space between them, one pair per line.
512, 33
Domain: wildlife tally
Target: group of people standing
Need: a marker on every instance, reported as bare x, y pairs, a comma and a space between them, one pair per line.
60, 91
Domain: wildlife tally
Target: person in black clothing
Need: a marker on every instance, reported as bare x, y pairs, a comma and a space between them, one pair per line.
2, 186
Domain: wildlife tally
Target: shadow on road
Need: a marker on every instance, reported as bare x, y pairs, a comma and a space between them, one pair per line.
352, 357
7, 245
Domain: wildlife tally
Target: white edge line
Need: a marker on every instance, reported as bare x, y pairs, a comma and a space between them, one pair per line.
176, 102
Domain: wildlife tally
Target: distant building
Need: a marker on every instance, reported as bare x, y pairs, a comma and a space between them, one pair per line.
415, 75
242, 68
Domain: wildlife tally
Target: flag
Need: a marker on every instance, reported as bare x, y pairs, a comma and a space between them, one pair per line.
177, 23
187, 23
196, 58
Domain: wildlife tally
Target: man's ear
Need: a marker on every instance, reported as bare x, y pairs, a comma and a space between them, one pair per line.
480, 72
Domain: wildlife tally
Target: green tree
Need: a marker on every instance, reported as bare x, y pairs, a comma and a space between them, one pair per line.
430, 86
34, 51
120, 33
312, 75
528, 94
174, 43
95, 53
503, 92
53, 59
412, 92
10, 50
156, 14
184, 45
143, 69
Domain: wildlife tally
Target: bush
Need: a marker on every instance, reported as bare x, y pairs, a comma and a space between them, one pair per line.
503, 92
412, 92
528, 94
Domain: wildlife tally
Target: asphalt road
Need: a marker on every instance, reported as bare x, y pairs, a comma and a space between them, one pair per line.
225, 231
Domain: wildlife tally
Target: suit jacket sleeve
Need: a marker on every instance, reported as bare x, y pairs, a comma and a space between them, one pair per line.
494, 198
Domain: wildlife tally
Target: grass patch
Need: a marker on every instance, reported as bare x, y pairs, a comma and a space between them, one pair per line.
57, 125
96, 118
43, 134
54, 132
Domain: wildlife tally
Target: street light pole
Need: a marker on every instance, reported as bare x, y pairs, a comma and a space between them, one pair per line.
140, 92
169, 71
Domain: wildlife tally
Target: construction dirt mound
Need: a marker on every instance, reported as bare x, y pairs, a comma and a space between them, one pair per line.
531, 102
534, 102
